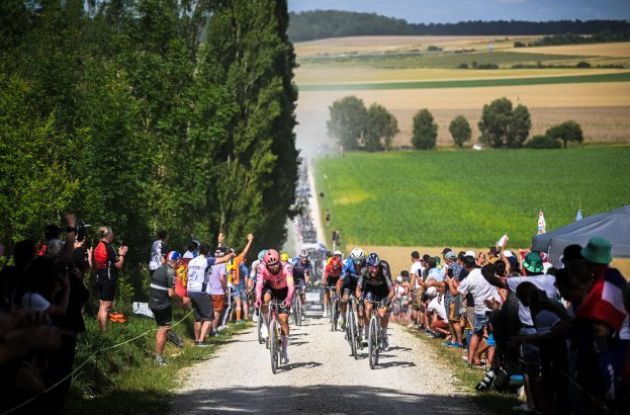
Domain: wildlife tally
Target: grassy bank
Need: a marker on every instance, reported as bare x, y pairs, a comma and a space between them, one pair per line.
492, 401
467, 198
124, 380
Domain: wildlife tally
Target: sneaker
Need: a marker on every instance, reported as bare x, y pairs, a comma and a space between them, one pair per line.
456, 345
221, 328
325, 313
255, 318
284, 356
202, 344
385, 344
447, 344
303, 318
159, 361
264, 331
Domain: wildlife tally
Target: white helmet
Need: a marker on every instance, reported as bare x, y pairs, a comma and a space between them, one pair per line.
357, 255
338, 253
432, 292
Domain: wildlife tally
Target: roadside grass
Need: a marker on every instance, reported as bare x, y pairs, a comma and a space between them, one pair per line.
471, 83
467, 198
492, 401
125, 380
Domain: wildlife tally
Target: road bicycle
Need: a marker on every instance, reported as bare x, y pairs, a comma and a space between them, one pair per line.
274, 339
374, 333
352, 329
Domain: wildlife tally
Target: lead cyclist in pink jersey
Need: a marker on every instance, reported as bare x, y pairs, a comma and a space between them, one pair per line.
275, 280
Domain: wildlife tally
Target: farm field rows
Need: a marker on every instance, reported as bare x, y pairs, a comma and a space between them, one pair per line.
615, 76
614, 50
467, 198
319, 74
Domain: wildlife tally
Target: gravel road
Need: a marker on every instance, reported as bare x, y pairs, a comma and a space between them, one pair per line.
321, 378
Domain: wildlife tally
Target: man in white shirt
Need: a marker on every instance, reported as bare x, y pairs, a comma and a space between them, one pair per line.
481, 290
415, 273
439, 319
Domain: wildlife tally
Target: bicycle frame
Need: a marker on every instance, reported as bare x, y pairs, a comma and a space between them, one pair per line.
274, 334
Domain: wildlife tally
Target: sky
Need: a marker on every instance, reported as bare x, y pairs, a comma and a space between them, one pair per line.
448, 11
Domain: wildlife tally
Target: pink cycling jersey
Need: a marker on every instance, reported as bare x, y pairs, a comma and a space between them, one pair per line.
284, 279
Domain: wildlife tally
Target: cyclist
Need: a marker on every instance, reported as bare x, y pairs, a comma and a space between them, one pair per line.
375, 287
302, 274
348, 282
329, 280
284, 257
275, 280
253, 273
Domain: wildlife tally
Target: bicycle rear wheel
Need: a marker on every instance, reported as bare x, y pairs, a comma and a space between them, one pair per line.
373, 342
273, 346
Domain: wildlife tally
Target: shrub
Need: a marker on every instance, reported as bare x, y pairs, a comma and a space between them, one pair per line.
460, 130
543, 141
567, 131
583, 64
503, 126
463, 66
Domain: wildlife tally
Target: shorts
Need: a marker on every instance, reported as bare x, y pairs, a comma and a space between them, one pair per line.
278, 295
239, 292
300, 285
202, 306
349, 286
218, 302
529, 353
416, 304
376, 294
164, 316
106, 288
331, 281
481, 322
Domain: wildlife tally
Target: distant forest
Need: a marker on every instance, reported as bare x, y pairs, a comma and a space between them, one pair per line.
321, 24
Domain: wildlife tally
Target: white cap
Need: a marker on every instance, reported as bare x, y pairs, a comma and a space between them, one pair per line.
470, 253
508, 254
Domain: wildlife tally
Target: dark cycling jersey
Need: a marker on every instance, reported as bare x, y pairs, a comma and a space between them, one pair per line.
383, 278
300, 271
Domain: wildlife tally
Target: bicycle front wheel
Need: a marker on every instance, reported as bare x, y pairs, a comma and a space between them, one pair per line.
352, 332
373, 342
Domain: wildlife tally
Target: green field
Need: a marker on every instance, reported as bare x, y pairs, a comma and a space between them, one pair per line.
467, 198
472, 83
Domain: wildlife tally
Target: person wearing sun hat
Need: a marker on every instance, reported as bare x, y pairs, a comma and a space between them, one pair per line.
533, 263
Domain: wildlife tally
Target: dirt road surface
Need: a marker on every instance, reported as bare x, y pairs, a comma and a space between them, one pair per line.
321, 378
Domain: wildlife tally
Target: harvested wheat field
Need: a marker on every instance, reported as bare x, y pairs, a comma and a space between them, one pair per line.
375, 44
600, 124
612, 50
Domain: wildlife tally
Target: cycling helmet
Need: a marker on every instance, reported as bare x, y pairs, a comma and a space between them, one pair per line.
339, 254
357, 255
261, 254
284, 257
373, 260
271, 258
303, 254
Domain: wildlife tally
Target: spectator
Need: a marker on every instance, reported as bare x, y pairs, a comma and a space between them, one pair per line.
437, 314
237, 280
453, 304
217, 289
158, 251
199, 298
162, 289
415, 273
107, 264
481, 291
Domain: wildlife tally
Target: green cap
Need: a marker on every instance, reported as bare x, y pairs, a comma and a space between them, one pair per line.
598, 251
533, 263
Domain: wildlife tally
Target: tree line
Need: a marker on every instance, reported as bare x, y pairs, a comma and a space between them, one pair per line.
319, 24
502, 125
146, 115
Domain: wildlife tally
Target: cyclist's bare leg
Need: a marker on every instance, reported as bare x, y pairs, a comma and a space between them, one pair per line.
264, 308
284, 338
343, 305
384, 315
326, 300
366, 316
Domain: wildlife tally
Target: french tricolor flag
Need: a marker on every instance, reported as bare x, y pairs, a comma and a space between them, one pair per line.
604, 302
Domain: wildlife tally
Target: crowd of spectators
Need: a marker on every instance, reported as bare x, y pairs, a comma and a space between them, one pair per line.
559, 333
45, 287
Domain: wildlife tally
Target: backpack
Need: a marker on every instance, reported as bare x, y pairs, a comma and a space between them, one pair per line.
181, 279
